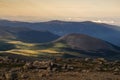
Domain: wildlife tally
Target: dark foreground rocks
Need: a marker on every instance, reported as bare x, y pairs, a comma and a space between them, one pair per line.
59, 69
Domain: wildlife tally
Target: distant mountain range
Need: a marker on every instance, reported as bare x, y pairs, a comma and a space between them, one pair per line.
102, 31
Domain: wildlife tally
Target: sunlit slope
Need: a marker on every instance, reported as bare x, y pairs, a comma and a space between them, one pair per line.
22, 48
26, 49
38, 50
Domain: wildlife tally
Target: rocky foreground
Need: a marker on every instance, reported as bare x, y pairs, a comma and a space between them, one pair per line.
59, 69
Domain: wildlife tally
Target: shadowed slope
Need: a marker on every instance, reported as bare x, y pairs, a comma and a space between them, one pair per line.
26, 35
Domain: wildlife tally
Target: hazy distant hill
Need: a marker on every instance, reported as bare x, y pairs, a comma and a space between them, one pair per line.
105, 32
26, 34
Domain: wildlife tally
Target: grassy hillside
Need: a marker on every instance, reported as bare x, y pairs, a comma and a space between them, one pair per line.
36, 50
44, 50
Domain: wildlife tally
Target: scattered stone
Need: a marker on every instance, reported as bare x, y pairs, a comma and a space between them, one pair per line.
28, 66
85, 71
88, 59
24, 76
54, 69
11, 76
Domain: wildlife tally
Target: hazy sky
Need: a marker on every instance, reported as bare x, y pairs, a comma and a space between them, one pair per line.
59, 9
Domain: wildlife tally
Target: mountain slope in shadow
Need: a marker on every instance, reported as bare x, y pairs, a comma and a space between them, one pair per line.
26, 34
4, 46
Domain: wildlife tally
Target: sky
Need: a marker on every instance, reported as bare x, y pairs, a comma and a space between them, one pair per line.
75, 10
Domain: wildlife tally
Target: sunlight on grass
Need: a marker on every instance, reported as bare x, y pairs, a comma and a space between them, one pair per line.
31, 52
24, 52
28, 49
48, 51
21, 43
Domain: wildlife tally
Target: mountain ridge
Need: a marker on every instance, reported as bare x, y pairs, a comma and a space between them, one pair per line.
102, 31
